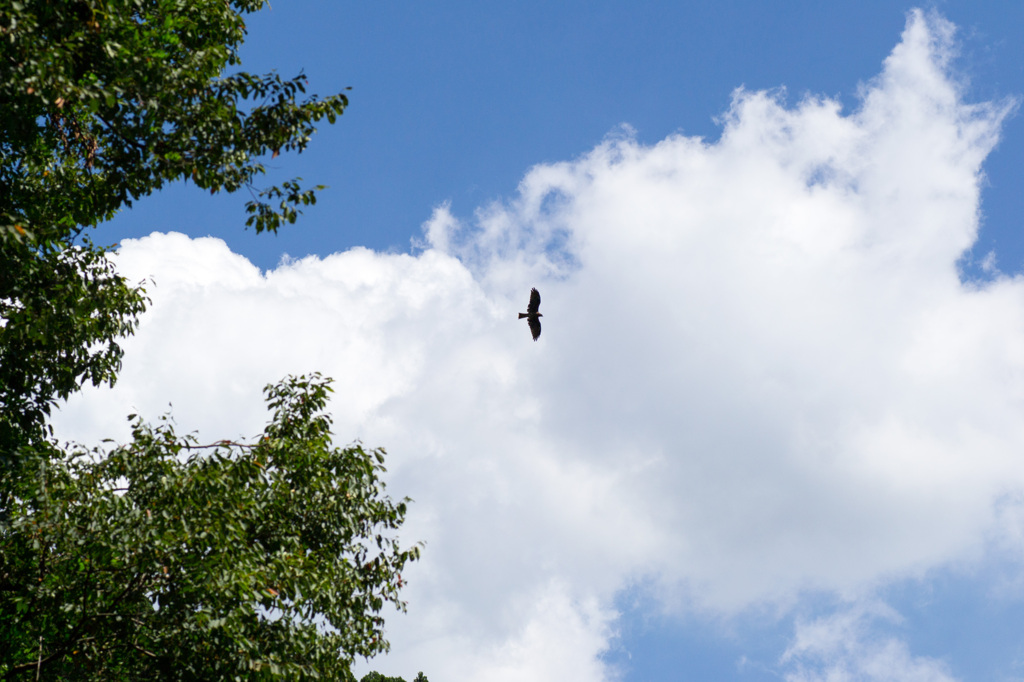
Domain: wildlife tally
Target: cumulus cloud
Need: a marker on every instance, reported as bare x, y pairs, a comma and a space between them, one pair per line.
760, 372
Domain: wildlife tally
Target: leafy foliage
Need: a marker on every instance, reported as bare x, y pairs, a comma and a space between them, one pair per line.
165, 559
161, 559
106, 100
63, 311
103, 102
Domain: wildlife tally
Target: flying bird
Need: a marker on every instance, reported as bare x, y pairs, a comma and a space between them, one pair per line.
532, 314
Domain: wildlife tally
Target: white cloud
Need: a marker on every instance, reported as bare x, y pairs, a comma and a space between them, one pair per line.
549, 637
842, 648
759, 371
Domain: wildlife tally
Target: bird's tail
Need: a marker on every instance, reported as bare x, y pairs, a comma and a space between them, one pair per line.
522, 315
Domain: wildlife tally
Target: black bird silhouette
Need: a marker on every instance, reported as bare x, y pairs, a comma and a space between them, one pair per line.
532, 314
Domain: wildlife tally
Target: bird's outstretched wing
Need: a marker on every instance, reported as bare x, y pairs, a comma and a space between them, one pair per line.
534, 326
533, 308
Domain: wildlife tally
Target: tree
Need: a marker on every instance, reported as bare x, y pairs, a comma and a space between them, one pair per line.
242, 561
103, 102
161, 558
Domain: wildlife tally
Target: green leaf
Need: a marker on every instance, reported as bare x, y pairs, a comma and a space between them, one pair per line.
161, 558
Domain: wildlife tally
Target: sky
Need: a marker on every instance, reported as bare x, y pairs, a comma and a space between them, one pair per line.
773, 427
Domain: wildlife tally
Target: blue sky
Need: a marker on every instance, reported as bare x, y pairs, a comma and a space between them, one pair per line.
454, 101
768, 433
